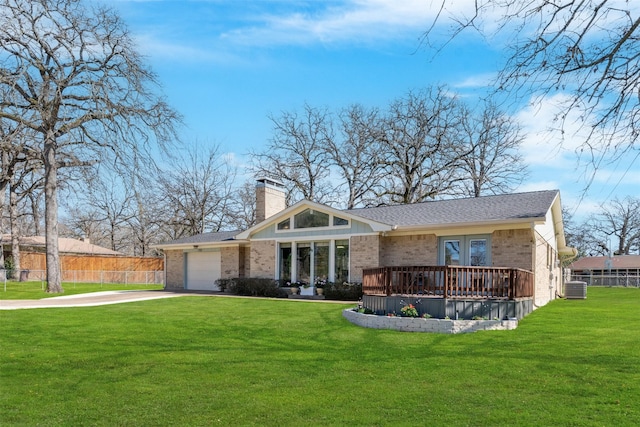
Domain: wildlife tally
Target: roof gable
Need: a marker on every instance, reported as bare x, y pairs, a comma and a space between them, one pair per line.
307, 204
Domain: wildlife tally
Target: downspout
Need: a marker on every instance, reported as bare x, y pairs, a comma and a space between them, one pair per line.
164, 257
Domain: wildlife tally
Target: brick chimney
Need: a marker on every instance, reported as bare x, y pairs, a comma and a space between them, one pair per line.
270, 198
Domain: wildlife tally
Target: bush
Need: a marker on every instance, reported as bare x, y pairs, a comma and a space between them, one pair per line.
254, 288
343, 291
224, 284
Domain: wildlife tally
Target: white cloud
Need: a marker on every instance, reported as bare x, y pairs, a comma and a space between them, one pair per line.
476, 81
538, 186
361, 21
549, 140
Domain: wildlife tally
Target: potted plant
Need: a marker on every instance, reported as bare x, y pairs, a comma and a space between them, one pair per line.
295, 289
320, 284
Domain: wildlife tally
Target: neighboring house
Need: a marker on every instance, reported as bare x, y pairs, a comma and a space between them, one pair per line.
66, 245
513, 235
83, 261
617, 270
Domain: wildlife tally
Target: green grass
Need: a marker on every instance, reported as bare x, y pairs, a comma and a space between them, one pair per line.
230, 361
34, 290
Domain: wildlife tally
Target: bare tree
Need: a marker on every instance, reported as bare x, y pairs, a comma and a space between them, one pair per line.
12, 155
197, 190
146, 222
103, 209
616, 229
242, 212
490, 161
586, 48
419, 140
72, 75
297, 154
355, 153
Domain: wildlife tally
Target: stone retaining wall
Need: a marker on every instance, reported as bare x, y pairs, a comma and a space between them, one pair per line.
441, 326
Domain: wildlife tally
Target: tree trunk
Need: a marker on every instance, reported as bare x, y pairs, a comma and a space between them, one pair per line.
54, 284
3, 189
15, 234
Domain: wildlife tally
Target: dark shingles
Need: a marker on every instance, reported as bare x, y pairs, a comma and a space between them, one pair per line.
461, 211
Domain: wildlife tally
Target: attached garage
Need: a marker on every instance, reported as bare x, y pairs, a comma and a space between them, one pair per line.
203, 269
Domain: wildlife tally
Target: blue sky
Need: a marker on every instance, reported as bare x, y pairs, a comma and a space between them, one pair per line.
226, 65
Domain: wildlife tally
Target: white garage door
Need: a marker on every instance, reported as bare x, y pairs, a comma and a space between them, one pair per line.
203, 268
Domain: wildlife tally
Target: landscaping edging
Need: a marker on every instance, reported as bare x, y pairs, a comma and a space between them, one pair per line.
416, 324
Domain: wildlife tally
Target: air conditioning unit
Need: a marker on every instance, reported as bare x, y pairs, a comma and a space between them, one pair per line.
575, 290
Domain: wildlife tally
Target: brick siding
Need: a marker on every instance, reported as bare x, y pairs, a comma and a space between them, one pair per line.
175, 269
409, 250
263, 259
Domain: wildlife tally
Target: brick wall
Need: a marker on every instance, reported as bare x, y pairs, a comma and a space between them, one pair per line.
409, 250
230, 262
263, 259
175, 269
246, 261
512, 248
364, 253
546, 285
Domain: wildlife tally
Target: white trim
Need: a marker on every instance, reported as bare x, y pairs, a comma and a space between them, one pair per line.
320, 237
304, 204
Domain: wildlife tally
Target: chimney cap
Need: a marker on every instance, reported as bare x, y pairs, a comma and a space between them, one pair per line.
269, 181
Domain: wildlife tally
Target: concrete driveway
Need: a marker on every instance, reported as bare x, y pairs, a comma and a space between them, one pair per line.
87, 300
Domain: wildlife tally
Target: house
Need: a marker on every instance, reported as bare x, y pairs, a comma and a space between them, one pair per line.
512, 241
616, 270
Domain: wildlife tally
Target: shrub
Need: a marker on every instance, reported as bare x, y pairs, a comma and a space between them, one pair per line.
224, 284
256, 288
343, 291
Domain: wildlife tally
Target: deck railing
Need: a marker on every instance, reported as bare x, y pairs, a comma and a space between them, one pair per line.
449, 282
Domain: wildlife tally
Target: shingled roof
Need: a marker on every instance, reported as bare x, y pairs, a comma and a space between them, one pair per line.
533, 205
618, 262
213, 237
473, 210
65, 245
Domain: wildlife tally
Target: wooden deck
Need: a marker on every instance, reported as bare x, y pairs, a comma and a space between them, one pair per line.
462, 282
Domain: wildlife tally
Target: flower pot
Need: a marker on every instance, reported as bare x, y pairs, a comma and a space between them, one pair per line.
294, 290
320, 291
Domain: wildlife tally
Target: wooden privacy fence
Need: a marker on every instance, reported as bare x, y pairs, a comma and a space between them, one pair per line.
449, 282
94, 268
37, 261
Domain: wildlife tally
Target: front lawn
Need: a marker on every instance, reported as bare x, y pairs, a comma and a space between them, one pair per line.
230, 361
35, 290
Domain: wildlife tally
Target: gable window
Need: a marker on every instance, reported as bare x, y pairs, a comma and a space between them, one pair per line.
465, 250
337, 221
310, 218
284, 225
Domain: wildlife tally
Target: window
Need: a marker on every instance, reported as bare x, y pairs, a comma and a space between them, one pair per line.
341, 261
465, 250
284, 225
320, 261
452, 252
309, 218
303, 262
340, 221
478, 252
311, 262
285, 261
